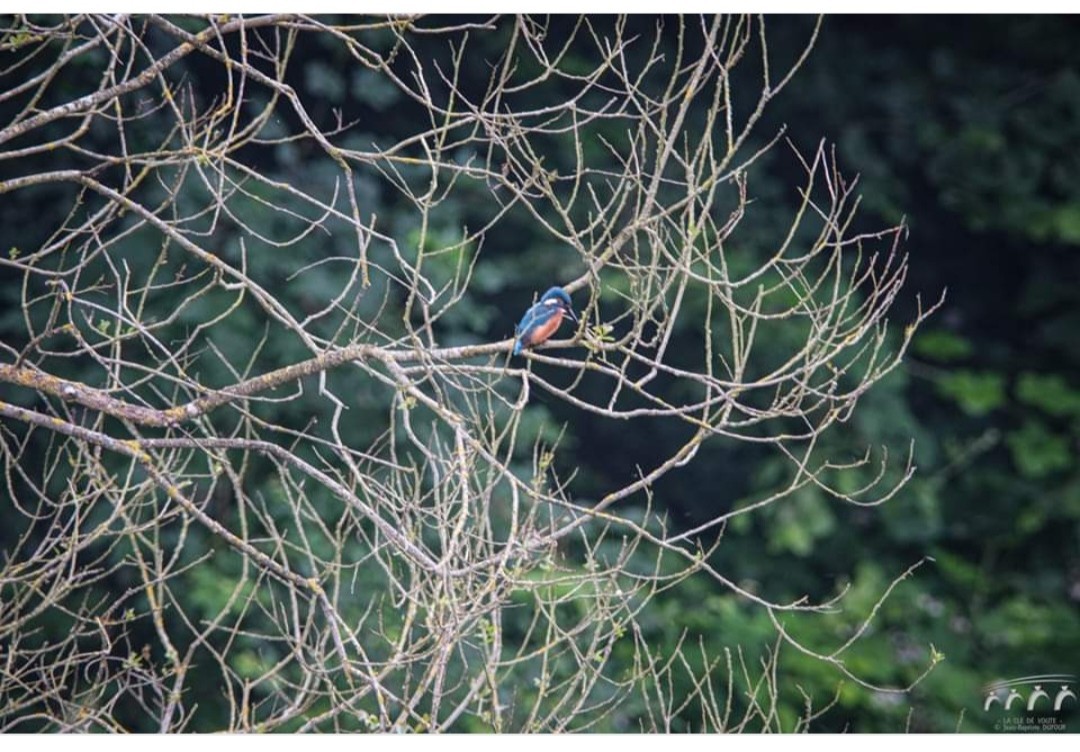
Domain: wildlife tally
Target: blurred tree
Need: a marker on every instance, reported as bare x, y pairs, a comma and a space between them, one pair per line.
269, 465
966, 126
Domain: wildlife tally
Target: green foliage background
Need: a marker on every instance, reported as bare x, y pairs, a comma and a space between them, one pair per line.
966, 127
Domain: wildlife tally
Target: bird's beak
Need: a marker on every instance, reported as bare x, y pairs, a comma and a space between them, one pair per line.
571, 314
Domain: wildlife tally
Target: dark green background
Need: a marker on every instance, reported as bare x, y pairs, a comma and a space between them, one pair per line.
969, 129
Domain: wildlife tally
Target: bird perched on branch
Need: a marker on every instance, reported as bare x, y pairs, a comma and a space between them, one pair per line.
543, 319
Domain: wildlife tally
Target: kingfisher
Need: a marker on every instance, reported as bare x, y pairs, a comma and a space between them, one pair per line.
543, 319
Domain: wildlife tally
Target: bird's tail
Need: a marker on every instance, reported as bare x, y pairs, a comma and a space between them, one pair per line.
517, 346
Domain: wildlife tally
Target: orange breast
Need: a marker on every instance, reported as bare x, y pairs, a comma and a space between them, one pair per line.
545, 330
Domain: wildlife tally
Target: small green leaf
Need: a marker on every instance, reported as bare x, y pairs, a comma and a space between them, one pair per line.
936, 656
